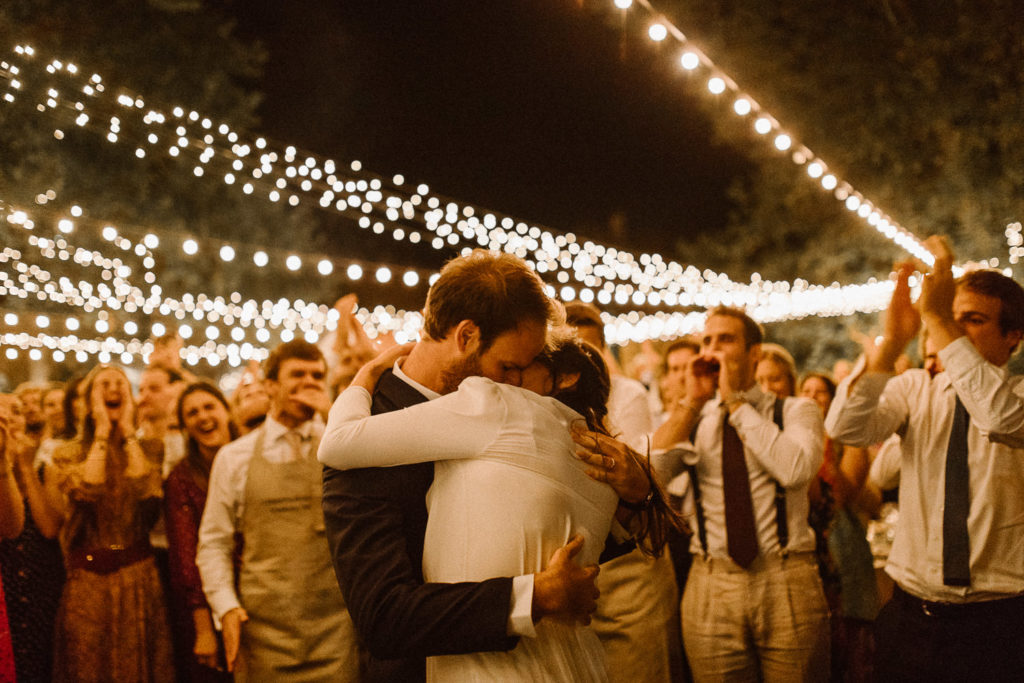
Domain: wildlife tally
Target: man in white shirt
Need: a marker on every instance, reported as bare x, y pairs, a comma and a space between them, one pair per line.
286, 621
753, 608
159, 388
958, 554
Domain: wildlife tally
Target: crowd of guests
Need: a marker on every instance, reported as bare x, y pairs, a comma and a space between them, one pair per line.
168, 532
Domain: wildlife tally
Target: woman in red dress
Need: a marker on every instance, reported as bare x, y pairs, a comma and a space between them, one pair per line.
204, 415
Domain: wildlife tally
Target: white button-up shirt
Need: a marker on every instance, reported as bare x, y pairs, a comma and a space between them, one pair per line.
921, 410
225, 505
790, 456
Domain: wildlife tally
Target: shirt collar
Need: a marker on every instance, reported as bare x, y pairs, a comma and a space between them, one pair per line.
754, 396
429, 393
307, 430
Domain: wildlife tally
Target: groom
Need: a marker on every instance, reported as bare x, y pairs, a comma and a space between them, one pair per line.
486, 315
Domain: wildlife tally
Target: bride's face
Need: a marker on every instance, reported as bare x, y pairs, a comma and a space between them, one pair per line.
537, 378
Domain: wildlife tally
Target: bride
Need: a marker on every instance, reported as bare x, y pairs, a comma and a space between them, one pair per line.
507, 490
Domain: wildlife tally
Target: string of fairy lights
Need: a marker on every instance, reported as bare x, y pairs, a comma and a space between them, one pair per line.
574, 268
693, 60
238, 330
226, 323
215, 150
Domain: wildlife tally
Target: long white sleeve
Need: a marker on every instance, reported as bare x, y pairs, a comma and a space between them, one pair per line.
459, 425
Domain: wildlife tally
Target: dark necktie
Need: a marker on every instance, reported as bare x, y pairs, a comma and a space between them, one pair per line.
741, 535
956, 550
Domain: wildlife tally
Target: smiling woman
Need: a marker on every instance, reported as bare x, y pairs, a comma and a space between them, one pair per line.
203, 413
112, 624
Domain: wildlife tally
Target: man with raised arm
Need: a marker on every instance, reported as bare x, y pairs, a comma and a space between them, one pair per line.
753, 608
958, 554
486, 315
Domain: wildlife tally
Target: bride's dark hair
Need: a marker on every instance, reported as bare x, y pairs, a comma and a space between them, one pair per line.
588, 396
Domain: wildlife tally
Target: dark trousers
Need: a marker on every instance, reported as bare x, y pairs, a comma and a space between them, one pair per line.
917, 640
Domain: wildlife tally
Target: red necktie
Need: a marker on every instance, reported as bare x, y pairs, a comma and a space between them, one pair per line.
740, 530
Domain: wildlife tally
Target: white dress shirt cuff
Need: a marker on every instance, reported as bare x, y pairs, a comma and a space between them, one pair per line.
520, 613
222, 602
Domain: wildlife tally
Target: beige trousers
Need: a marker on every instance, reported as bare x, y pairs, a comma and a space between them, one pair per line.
634, 618
766, 623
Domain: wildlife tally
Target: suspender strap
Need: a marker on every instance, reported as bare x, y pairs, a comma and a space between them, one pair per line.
781, 520
698, 506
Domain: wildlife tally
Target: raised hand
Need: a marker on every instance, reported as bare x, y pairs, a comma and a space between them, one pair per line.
126, 423
100, 416
700, 379
902, 321
938, 286
565, 590
316, 400
370, 372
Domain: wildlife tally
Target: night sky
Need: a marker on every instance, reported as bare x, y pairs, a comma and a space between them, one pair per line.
542, 109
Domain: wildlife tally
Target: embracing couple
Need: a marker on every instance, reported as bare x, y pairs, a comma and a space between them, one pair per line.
491, 575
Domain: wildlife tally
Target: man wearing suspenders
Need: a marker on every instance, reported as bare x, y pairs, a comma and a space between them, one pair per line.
753, 607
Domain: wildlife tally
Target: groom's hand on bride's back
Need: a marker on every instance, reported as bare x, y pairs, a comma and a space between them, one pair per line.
565, 590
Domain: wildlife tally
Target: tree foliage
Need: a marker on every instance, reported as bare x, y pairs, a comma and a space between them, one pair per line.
174, 53
916, 104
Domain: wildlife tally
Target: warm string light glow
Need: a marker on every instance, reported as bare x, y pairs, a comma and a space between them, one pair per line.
223, 318
265, 323
1015, 242
695, 61
575, 269
403, 325
596, 273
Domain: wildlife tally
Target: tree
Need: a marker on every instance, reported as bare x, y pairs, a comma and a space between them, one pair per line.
915, 104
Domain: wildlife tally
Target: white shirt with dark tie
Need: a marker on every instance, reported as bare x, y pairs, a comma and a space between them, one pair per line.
920, 409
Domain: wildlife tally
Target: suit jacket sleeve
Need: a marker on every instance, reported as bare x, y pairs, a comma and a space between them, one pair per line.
375, 519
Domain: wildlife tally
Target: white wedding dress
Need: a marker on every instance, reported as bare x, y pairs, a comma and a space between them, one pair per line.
507, 493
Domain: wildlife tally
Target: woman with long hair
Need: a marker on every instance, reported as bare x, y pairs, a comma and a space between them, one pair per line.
112, 622
507, 490
205, 417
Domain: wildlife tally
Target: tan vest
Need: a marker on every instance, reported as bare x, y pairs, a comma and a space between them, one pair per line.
298, 628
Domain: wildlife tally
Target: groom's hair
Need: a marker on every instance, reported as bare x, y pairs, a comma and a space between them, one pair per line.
497, 291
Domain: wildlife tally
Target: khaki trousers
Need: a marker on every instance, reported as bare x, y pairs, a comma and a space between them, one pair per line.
765, 623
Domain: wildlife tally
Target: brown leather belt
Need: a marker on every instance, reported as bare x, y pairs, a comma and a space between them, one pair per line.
108, 560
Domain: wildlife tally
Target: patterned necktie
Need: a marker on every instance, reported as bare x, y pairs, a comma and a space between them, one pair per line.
956, 550
740, 530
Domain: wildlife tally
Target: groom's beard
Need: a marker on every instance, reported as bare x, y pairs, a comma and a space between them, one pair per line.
452, 376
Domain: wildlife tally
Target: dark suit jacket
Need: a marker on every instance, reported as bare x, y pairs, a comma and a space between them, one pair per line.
376, 519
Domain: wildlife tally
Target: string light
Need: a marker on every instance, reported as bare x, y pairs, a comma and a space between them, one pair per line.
380, 204
1015, 242
744, 105
596, 271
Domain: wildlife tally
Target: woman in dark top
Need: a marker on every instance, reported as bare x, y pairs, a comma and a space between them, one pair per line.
31, 563
204, 415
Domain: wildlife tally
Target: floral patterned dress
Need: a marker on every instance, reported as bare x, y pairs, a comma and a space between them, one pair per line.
112, 622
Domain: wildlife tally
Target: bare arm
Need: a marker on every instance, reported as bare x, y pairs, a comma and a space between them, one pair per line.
12, 507
47, 517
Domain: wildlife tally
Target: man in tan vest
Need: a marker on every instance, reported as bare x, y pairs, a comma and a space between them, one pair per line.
286, 621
